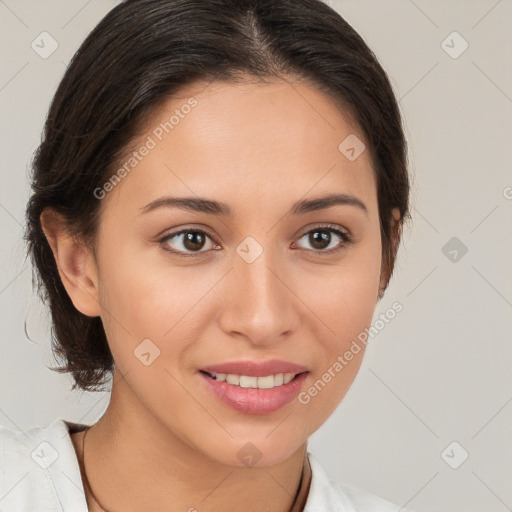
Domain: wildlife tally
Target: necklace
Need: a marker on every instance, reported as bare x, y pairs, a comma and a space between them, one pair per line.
300, 495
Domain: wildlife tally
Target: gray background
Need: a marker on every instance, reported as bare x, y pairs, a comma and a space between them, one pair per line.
441, 370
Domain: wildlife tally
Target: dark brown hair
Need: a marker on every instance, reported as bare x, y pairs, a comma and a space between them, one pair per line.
142, 52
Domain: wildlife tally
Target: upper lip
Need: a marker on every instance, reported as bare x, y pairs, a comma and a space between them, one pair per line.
256, 369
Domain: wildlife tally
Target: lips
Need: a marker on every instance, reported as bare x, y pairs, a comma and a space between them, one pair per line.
248, 400
256, 369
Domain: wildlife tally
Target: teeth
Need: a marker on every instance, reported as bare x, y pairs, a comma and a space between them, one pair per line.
249, 382
288, 377
232, 379
244, 381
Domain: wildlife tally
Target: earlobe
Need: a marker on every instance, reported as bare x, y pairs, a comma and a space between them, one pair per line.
75, 263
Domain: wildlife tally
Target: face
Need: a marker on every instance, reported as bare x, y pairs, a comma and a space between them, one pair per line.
182, 289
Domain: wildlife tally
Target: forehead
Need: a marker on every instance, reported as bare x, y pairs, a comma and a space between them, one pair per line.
235, 140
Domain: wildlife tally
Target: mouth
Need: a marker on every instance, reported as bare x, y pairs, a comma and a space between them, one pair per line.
254, 394
251, 381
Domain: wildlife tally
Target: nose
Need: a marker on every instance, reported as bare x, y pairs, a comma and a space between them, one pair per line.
258, 302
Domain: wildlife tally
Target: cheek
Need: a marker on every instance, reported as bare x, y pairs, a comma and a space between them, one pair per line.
155, 300
343, 300
344, 295
347, 310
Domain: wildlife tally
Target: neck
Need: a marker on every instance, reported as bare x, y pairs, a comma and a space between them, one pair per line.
134, 463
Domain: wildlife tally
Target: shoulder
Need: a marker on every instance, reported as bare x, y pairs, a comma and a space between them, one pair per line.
38, 468
326, 494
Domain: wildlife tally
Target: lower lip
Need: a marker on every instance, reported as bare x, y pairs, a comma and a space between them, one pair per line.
255, 401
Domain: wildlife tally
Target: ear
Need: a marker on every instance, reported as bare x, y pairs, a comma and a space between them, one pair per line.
75, 263
395, 232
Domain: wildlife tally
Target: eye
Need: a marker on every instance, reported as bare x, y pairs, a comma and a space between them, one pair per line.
192, 242
188, 241
321, 239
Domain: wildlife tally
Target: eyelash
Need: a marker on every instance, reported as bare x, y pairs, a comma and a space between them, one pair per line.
346, 238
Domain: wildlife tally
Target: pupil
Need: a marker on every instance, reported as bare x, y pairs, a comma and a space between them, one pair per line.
319, 241
194, 240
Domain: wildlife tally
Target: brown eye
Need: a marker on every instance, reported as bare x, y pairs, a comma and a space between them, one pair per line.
327, 239
187, 241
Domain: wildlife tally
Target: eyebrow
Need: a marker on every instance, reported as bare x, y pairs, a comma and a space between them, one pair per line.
204, 205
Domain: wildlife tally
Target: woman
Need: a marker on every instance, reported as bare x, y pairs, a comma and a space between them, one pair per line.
217, 205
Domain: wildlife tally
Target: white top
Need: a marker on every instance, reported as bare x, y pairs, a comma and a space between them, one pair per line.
39, 471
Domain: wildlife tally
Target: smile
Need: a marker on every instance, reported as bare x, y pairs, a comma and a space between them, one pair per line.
245, 394
246, 381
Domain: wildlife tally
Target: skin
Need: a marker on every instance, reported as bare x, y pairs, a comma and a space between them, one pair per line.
165, 442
